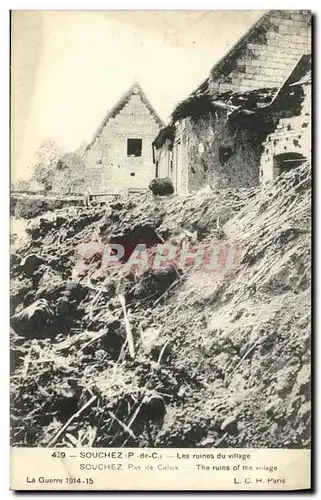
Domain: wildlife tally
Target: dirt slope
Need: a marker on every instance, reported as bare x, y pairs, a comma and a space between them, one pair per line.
221, 358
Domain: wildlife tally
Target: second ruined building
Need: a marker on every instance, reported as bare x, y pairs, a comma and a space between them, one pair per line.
250, 119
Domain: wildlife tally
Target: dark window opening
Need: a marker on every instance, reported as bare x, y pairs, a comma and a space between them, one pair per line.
99, 162
225, 154
204, 164
132, 174
286, 162
156, 170
134, 147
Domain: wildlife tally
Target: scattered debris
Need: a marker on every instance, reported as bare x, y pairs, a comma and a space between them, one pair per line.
217, 349
129, 334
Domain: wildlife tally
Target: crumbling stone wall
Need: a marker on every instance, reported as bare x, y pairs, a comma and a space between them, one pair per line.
237, 151
221, 153
292, 134
228, 152
212, 150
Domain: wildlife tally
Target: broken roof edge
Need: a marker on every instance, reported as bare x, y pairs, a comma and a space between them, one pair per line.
122, 101
215, 102
233, 50
167, 132
221, 61
230, 53
305, 80
191, 96
218, 100
244, 38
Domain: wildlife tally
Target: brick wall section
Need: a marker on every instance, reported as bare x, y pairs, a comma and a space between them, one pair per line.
267, 55
292, 134
110, 148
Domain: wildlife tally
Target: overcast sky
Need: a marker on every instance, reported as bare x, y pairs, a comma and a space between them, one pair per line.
70, 67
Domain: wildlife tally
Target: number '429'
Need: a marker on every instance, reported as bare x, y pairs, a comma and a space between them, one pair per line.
58, 454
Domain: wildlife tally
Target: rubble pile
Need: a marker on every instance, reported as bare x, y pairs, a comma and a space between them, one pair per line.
171, 356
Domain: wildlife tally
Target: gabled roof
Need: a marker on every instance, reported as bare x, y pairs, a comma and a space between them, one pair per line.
266, 54
257, 66
120, 105
202, 101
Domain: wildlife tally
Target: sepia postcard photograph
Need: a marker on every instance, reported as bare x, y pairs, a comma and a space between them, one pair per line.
160, 250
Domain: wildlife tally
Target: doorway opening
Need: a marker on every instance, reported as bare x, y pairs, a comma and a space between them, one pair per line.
285, 162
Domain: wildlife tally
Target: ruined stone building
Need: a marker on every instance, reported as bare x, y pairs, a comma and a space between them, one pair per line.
250, 119
119, 157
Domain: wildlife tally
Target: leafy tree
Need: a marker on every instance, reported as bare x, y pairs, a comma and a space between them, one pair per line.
47, 156
70, 177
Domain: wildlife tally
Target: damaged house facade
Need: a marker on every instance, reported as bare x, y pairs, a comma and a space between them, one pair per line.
251, 118
119, 157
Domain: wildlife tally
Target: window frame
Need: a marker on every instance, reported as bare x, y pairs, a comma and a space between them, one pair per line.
134, 139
